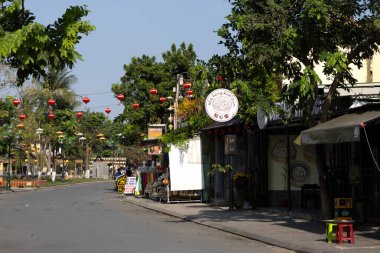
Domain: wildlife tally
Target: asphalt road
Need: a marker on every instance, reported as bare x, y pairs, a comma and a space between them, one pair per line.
93, 218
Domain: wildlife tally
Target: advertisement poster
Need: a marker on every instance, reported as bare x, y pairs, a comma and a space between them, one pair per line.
130, 185
186, 167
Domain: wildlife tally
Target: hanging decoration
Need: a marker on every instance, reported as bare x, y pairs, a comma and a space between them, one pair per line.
187, 85
107, 110
189, 93
79, 116
86, 100
16, 102
22, 116
162, 99
51, 116
153, 91
51, 102
120, 97
135, 105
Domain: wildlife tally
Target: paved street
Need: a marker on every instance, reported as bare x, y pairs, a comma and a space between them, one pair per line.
93, 218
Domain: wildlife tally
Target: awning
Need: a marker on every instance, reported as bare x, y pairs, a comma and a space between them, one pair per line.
345, 128
216, 125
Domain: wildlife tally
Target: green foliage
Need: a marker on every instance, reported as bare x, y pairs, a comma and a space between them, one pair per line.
30, 47
290, 38
144, 73
216, 167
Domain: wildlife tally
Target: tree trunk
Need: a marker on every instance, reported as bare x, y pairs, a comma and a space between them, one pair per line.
323, 181
321, 154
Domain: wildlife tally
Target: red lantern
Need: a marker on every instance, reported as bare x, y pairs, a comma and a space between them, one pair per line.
86, 100
16, 102
187, 85
51, 116
220, 78
162, 99
120, 97
135, 105
22, 116
79, 115
107, 110
51, 102
189, 92
153, 91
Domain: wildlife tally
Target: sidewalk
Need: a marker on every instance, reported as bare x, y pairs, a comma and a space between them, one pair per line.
279, 230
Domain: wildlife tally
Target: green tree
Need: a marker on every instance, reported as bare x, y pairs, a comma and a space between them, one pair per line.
30, 47
290, 38
143, 74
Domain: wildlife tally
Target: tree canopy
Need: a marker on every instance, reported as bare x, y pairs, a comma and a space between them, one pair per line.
145, 73
290, 38
31, 47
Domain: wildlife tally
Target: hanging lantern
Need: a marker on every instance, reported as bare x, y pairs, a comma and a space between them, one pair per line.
51, 102
79, 115
22, 116
153, 91
189, 92
16, 102
187, 85
107, 110
135, 105
162, 99
86, 100
51, 116
120, 97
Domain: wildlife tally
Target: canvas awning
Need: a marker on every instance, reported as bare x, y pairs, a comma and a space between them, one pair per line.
345, 128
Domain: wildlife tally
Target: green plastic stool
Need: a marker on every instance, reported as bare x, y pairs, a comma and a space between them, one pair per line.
330, 232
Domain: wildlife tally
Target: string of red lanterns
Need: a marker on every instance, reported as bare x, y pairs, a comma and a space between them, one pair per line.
51, 103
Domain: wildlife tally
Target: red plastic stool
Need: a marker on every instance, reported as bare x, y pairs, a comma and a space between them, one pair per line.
349, 236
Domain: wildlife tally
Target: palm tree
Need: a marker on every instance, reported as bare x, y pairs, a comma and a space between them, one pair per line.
55, 85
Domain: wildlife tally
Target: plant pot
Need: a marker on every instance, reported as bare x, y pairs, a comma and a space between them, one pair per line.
239, 204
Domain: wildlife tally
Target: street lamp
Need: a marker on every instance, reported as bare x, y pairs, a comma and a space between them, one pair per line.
8, 138
39, 131
60, 141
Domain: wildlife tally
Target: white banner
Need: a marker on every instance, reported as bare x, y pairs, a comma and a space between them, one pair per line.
186, 167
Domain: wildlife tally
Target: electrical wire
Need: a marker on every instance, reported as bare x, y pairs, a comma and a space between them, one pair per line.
370, 149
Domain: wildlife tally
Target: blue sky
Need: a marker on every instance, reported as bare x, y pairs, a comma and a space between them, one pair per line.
128, 28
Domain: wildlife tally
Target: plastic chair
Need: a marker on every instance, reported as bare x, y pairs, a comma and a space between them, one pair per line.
349, 236
330, 232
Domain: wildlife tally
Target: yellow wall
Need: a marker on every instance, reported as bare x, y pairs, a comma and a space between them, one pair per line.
376, 68
302, 160
362, 75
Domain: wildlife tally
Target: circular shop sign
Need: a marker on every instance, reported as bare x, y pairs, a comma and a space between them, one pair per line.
221, 105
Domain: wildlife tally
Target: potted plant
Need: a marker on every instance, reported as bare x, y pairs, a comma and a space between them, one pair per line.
241, 185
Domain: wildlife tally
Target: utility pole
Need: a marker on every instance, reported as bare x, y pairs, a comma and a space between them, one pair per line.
179, 83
